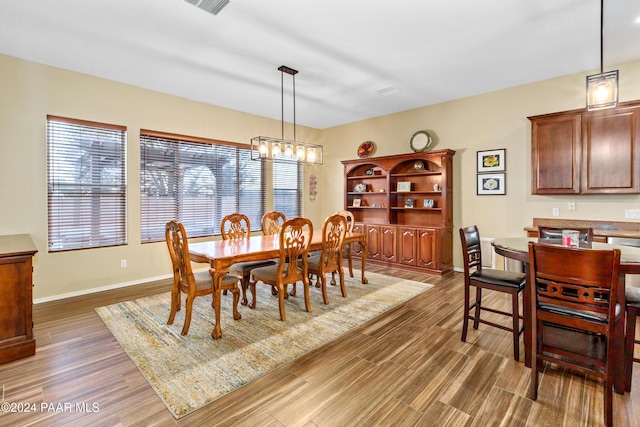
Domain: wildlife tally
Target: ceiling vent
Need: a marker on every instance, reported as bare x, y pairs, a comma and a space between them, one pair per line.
211, 6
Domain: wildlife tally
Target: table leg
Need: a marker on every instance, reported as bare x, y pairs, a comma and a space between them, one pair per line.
526, 313
618, 350
364, 258
217, 275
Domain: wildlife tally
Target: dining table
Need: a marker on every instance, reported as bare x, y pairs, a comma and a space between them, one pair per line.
517, 248
222, 254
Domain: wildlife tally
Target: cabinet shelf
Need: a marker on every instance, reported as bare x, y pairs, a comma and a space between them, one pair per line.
415, 192
415, 209
410, 174
367, 177
365, 207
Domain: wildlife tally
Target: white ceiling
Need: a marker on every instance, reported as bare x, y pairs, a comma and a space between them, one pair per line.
356, 58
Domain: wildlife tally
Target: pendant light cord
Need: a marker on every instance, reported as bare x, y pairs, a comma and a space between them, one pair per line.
601, 34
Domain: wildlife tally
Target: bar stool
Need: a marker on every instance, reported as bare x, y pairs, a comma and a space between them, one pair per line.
632, 296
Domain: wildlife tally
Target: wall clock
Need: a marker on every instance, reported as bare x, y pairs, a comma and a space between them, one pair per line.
420, 141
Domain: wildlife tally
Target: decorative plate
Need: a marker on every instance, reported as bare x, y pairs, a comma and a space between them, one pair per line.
420, 141
366, 149
418, 165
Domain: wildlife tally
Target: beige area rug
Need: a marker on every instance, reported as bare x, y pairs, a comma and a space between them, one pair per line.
187, 372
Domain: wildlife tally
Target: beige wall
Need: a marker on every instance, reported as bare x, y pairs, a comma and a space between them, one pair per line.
29, 91
484, 122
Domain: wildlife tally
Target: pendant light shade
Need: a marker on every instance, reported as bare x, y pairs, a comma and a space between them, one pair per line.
602, 89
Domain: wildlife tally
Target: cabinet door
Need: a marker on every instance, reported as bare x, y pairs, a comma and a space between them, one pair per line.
356, 248
388, 243
407, 246
428, 248
373, 242
555, 154
610, 144
15, 304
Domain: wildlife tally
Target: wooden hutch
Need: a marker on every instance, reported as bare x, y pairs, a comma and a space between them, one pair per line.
404, 204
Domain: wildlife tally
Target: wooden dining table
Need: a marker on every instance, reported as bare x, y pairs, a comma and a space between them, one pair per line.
517, 248
222, 254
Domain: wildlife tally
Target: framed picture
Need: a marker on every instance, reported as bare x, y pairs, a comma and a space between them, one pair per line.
404, 186
369, 172
492, 160
427, 203
360, 188
356, 202
408, 203
493, 183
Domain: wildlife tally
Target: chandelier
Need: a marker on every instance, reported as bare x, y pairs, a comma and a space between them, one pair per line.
280, 149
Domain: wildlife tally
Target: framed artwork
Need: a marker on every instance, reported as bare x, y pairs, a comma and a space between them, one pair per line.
408, 203
492, 160
491, 183
356, 202
404, 186
360, 188
427, 203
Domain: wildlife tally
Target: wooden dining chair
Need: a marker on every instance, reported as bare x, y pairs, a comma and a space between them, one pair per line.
585, 234
574, 289
272, 223
185, 281
294, 240
237, 226
479, 278
329, 260
632, 297
346, 249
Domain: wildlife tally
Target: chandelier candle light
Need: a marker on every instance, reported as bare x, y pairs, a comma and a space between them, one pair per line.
269, 148
602, 89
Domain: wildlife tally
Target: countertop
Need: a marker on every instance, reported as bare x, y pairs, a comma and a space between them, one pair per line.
602, 229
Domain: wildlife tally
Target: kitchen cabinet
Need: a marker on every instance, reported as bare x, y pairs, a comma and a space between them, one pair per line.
586, 152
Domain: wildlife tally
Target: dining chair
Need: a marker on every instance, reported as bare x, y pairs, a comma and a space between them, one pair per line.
574, 289
294, 240
585, 234
233, 227
192, 284
329, 260
272, 223
479, 278
346, 249
632, 297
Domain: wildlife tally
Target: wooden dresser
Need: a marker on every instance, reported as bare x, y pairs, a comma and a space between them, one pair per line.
16, 303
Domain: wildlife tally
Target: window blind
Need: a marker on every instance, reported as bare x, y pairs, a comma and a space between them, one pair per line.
86, 184
287, 188
196, 181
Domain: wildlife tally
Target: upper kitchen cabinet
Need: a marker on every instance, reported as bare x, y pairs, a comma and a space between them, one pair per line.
581, 152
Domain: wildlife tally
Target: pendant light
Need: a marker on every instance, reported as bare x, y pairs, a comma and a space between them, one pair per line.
602, 89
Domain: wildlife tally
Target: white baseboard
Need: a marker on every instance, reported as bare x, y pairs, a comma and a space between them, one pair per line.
100, 289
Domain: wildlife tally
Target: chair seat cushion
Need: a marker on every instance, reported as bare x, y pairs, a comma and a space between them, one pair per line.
313, 263
580, 314
575, 341
510, 279
269, 273
204, 280
632, 295
245, 267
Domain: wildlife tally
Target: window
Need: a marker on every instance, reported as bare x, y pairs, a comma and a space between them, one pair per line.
287, 188
196, 181
87, 192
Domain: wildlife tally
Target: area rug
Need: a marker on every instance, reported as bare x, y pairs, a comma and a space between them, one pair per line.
187, 372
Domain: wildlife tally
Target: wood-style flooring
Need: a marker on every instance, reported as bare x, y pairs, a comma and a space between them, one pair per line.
408, 367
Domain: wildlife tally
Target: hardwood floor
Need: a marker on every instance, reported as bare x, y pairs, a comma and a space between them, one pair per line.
408, 367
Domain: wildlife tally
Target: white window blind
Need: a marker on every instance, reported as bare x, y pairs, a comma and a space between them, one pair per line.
198, 182
287, 188
86, 182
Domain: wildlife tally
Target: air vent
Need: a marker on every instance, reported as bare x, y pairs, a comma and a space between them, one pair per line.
211, 6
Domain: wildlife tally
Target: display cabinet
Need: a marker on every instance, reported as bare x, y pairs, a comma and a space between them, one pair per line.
404, 204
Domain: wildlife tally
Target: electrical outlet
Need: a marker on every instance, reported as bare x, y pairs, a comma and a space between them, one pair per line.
123, 263
572, 206
632, 213
555, 212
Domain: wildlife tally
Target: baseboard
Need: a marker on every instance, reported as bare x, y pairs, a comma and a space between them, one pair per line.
100, 289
